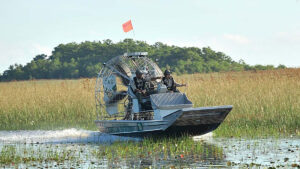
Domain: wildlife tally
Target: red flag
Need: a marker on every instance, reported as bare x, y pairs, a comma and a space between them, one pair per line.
127, 26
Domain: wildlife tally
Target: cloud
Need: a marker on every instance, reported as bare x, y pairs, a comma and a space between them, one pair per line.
239, 39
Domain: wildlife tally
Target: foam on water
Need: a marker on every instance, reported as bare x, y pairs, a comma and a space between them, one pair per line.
204, 137
59, 136
71, 135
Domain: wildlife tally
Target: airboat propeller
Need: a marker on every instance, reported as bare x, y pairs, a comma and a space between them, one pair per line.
162, 112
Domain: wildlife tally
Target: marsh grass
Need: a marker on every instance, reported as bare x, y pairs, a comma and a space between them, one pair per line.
47, 104
266, 103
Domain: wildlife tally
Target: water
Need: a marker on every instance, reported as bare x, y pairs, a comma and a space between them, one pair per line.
59, 136
73, 148
281, 152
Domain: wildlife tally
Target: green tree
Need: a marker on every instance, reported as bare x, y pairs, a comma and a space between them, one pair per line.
73, 60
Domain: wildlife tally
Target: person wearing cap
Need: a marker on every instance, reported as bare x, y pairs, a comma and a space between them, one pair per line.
139, 85
170, 82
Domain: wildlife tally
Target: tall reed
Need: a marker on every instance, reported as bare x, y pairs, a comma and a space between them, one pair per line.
265, 102
47, 104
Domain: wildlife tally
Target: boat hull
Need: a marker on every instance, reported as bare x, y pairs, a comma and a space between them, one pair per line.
187, 121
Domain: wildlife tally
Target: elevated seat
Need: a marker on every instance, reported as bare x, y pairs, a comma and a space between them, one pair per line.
166, 101
136, 106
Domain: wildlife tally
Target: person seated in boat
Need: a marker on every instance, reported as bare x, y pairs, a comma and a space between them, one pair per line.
139, 87
170, 82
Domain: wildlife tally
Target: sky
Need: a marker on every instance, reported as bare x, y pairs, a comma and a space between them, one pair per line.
256, 31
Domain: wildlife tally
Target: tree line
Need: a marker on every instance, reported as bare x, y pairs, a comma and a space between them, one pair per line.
75, 60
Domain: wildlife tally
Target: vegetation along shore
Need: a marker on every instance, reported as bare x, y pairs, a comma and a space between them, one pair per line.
84, 60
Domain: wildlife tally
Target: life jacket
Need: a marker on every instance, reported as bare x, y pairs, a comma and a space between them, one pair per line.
139, 83
166, 82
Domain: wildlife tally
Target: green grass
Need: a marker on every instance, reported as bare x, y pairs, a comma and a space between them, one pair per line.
266, 103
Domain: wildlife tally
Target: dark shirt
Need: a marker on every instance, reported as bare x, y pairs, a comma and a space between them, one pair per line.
139, 83
170, 83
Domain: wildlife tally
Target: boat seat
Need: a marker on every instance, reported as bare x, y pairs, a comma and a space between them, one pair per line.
131, 93
170, 101
144, 106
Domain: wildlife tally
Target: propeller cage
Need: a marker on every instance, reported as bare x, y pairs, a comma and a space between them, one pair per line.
113, 94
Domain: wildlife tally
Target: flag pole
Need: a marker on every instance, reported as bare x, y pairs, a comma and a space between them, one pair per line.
127, 47
133, 32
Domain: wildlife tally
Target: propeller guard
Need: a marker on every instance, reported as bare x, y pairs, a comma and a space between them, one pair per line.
112, 91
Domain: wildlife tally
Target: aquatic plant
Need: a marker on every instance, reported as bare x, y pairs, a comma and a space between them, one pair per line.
15, 154
178, 152
8, 155
164, 151
182, 150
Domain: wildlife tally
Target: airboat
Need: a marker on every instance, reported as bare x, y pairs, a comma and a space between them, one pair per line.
162, 113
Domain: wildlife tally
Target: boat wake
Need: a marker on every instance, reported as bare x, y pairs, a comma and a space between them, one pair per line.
204, 137
59, 136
